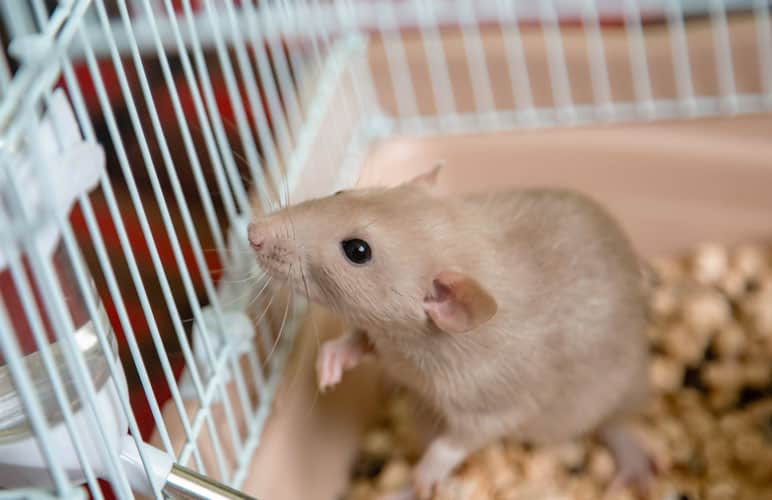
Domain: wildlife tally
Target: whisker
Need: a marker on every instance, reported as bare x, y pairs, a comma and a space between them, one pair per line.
256, 297
252, 278
265, 311
317, 393
283, 323
308, 296
235, 301
311, 408
231, 251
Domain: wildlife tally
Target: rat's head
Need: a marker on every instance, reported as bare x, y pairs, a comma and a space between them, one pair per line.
381, 257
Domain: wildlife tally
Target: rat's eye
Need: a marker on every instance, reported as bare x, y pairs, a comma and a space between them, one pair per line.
337, 192
357, 251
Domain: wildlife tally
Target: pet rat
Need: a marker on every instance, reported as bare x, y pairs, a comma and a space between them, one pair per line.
517, 313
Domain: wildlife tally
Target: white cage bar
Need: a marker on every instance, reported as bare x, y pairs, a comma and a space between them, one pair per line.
164, 126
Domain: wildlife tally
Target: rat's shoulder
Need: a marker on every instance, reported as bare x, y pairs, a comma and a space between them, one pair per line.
536, 199
545, 214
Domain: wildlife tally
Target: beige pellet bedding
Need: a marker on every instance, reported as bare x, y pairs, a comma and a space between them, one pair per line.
708, 424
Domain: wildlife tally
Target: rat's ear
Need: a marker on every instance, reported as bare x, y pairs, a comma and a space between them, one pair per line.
457, 303
428, 179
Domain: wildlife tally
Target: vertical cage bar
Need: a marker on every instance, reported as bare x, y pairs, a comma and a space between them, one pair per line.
18, 18
477, 65
273, 94
323, 32
297, 57
638, 62
319, 60
682, 68
558, 71
5, 73
347, 15
764, 43
438, 67
396, 62
279, 119
596, 55
723, 49
328, 46
287, 73
516, 62
315, 36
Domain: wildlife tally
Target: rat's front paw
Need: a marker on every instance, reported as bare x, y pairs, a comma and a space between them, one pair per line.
402, 494
339, 355
426, 477
329, 365
437, 463
635, 467
638, 474
334, 357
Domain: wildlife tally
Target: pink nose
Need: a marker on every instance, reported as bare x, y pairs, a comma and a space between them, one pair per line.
255, 236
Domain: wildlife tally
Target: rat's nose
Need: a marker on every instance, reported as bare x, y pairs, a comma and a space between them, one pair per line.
255, 235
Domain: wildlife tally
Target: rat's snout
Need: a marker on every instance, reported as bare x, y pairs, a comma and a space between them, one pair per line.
274, 247
256, 235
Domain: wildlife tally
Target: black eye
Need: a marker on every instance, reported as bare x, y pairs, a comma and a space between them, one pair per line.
357, 251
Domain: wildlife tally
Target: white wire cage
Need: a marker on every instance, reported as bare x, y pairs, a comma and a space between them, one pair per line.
139, 137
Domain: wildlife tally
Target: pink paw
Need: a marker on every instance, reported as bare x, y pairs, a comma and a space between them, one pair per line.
635, 467
637, 473
437, 463
335, 356
426, 478
402, 494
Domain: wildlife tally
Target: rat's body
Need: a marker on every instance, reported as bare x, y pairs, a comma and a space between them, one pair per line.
518, 313
565, 348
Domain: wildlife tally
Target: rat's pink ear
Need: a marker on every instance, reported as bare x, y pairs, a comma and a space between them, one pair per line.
428, 179
457, 303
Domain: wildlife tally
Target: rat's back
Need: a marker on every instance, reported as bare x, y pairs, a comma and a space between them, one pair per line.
568, 339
